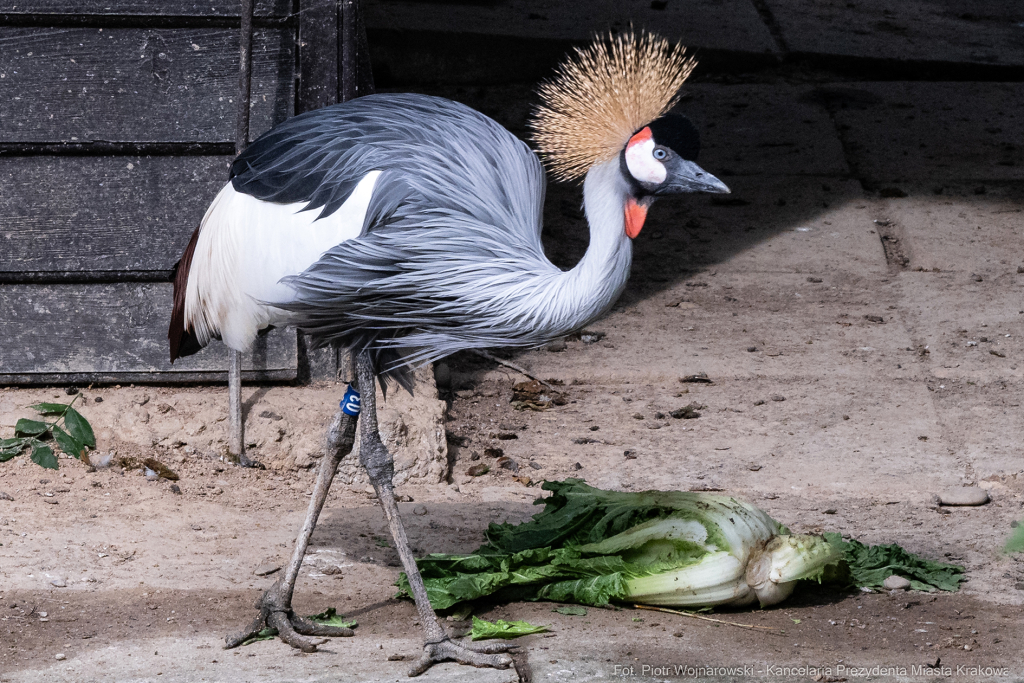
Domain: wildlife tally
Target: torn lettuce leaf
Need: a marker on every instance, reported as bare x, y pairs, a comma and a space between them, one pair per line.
482, 629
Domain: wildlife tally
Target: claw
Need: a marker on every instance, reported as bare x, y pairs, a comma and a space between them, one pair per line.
288, 634
492, 655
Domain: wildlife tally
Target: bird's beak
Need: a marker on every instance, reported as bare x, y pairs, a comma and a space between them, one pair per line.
686, 176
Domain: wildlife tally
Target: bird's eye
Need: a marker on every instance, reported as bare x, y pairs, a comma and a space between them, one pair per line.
659, 153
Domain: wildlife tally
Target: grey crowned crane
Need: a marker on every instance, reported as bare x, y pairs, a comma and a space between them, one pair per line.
407, 227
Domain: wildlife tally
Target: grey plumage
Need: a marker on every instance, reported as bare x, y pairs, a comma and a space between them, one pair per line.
450, 256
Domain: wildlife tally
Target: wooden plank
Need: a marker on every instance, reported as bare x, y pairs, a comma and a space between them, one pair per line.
113, 333
174, 85
102, 214
318, 54
173, 8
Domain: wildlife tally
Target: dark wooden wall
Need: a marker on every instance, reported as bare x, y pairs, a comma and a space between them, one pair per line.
117, 121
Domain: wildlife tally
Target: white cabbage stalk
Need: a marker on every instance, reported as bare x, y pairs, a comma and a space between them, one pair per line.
739, 554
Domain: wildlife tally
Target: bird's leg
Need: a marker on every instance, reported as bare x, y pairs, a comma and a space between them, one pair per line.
275, 605
377, 460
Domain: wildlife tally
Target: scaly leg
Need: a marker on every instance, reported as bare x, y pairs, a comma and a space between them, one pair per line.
438, 647
275, 605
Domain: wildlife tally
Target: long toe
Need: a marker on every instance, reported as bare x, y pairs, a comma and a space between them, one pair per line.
311, 628
489, 648
285, 632
492, 656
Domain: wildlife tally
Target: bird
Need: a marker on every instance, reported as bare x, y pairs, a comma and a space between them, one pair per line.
406, 227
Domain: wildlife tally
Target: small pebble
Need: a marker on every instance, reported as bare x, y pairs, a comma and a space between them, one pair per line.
59, 583
534, 465
967, 495
478, 470
6, 496
753, 467
630, 454
556, 346
399, 658
51, 501
60, 657
507, 463
419, 510
896, 583
778, 397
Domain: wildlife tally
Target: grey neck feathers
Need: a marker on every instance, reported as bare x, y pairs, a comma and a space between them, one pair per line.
579, 296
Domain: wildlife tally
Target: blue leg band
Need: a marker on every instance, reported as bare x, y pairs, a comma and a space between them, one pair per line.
350, 404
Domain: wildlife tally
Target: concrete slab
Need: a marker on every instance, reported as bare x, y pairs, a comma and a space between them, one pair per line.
867, 431
942, 132
960, 231
951, 315
797, 329
986, 32
807, 225
764, 130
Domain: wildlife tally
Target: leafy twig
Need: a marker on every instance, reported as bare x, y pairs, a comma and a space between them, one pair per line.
75, 437
701, 616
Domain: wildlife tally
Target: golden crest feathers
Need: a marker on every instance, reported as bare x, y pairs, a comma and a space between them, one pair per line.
603, 94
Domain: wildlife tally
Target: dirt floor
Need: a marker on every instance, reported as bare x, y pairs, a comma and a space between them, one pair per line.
155, 578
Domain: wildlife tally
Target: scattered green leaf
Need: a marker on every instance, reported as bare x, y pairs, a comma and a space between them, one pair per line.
43, 456
381, 542
330, 617
572, 610
482, 629
25, 427
50, 408
79, 427
1015, 544
638, 619
870, 566
67, 443
795, 621
10, 448
462, 612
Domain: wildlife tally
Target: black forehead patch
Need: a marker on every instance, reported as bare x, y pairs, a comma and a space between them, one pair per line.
678, 133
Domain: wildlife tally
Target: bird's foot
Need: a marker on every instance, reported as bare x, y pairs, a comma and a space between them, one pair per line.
491, 654
276, 613
246, 461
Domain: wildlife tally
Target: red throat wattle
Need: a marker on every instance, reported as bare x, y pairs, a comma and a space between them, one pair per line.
636, 214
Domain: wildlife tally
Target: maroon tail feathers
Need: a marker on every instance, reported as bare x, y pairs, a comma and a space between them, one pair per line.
182, 341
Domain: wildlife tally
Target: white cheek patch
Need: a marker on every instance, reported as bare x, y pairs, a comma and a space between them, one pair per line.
641, 162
